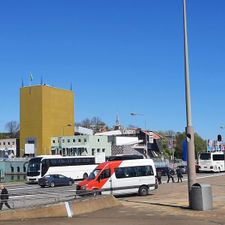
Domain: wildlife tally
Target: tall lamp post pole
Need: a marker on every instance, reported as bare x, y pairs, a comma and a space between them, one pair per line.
189, 128
146, 139
68, 125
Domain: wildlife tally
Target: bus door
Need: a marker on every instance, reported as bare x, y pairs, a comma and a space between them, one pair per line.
104, 181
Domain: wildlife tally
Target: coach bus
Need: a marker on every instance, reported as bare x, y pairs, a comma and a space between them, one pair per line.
121, 177
211, 162
76, 167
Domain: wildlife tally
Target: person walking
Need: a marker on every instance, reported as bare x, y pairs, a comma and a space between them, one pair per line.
169, 175
4, 197
159, 177
179, 175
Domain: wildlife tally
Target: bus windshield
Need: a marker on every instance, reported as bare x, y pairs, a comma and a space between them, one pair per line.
93, 174
34, 165
205, 156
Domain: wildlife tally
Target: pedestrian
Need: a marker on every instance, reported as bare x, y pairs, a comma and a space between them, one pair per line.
179, 175
169, 175
4, 197
159, 177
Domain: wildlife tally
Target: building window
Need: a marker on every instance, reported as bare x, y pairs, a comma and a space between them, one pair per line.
103, 150
68, 140
73, 140
98, 140
53, 141
8, 143
12, 169
93, 151
3, 143
79, 140
98, 150
13, 143
63, 140
18, 169
85, 140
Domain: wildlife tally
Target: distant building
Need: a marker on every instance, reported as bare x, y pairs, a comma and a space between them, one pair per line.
45, 112
83, 130
134, 141
9, 147
80, 145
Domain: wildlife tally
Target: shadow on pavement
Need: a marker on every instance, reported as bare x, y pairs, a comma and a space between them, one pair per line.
158, 204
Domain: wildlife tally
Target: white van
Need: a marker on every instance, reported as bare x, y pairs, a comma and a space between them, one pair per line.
122, 177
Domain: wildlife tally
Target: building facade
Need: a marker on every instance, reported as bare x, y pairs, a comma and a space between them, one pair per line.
80, 145
9, 147
45, 112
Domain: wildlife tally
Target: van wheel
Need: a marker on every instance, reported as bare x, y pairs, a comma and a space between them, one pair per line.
85, 176
143, 190
52, 184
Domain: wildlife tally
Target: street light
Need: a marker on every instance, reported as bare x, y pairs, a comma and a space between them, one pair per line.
146, 140
67, 125
189, 128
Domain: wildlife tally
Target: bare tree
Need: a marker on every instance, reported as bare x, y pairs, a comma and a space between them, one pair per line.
96, 124
12, 128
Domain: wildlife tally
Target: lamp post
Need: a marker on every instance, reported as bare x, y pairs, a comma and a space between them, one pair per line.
189, 128
146, 140
67, 125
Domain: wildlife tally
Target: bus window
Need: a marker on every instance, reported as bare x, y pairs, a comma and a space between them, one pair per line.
218, 157
205, 156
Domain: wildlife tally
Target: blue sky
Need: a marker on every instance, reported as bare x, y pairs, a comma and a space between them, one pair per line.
120, 56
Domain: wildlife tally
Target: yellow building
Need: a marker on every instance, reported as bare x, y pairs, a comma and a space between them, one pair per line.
45, 112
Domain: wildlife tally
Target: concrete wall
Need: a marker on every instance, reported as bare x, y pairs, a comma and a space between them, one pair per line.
73, 208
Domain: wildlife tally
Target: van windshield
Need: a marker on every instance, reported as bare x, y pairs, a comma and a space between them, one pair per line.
93, 174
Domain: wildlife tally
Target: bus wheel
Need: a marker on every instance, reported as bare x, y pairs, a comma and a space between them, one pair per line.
52, 184
143, 190
85, 176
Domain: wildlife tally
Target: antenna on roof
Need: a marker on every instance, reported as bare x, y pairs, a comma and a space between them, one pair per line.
41, 80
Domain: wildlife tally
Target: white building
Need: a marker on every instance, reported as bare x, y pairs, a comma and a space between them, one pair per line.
9, 147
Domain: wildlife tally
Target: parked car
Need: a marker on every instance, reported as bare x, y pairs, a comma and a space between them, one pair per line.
183, 169
53, 180
163, 170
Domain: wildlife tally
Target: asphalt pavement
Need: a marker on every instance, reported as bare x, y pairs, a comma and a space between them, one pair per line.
166, 205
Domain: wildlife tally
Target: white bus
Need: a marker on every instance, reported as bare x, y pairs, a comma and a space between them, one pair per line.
76, 167
211, 162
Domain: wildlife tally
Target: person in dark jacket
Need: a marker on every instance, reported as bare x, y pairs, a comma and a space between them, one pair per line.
179, 175
4, 197
159, 177
169, 175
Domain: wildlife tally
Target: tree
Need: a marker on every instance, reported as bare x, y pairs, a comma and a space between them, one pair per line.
200, 144
12, 128
95, 123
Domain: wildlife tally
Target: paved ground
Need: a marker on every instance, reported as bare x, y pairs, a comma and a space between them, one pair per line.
167, 205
